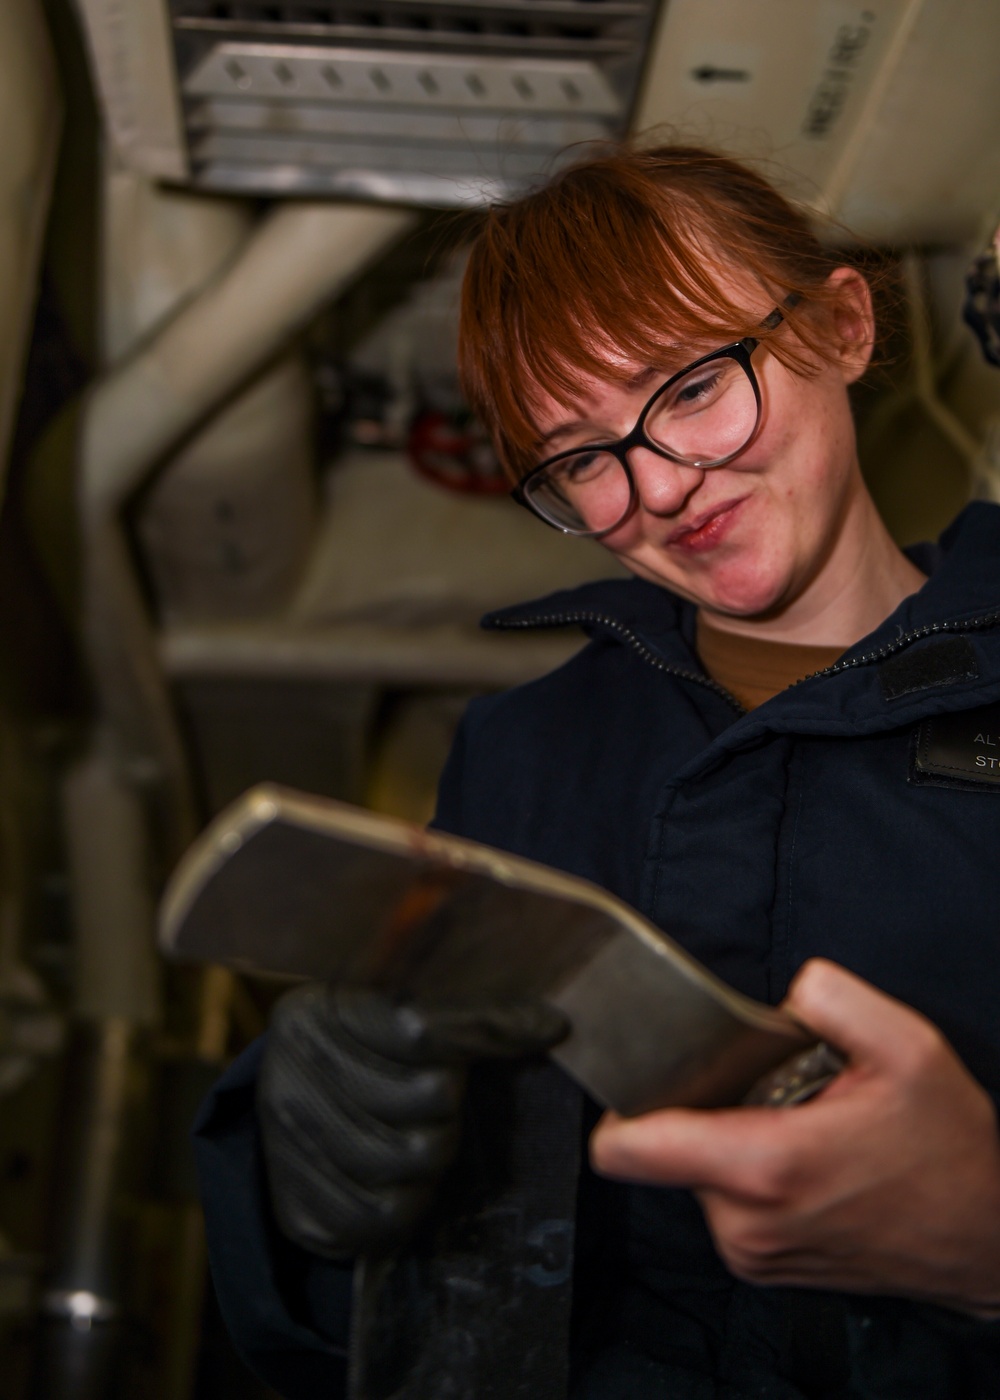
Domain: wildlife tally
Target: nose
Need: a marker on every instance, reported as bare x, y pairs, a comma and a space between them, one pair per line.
663, 487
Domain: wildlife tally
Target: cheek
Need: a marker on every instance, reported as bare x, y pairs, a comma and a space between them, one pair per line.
627, 537
815, 447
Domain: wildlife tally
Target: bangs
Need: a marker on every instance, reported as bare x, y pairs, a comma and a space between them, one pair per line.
625, 262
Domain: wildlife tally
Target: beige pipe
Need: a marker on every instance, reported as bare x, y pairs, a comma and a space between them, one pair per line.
116, 971
296, 261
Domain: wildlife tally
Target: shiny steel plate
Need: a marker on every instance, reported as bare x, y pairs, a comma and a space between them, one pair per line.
287, 884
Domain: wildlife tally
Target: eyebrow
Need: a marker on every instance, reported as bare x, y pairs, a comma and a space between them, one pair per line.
562, 431
640, 380
634, 381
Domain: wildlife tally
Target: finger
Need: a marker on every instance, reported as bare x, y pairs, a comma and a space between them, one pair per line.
376, 1085
865, 1024
305, 1125
401, 1095
327, 1213
744, 1151
309, 1042
381, 1026
324, 1026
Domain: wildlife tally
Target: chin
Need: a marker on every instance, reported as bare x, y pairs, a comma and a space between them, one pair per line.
736, 586
755, 597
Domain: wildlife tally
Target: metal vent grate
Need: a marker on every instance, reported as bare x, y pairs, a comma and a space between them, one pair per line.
385, 78
439, 101
604, 26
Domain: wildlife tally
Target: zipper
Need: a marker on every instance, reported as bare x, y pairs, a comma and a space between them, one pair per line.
928, 630
636, 643
630, 639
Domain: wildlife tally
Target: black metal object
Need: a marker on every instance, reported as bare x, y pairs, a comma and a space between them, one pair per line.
982, 304
479, 1308
84, 1325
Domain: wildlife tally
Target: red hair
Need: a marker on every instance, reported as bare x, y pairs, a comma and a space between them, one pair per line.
613, 264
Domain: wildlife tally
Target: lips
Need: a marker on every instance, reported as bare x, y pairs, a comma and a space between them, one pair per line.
706, 530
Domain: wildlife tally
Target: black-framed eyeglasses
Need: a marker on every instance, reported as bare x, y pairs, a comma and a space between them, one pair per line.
703, 416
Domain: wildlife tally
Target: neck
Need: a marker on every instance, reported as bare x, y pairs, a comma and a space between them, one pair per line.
862, 578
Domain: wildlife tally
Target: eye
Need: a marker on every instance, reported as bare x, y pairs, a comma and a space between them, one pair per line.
583, 464
583, 467
700, 388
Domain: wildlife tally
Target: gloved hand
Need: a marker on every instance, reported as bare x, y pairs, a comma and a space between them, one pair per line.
359, 1102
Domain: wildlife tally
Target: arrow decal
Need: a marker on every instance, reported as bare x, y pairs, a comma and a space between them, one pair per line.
708, 74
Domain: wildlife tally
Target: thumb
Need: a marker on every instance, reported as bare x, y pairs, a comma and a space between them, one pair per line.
857, 1019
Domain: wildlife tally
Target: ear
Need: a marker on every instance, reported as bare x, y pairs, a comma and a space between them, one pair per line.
853, 321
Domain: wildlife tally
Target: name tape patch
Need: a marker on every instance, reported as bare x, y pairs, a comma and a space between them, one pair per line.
959, 750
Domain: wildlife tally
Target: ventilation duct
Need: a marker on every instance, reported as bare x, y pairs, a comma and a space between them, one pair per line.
429, 101
885, 111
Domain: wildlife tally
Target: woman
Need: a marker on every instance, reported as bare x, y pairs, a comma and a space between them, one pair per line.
771, 746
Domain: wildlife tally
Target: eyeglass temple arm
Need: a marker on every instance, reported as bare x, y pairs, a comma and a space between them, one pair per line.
773, 320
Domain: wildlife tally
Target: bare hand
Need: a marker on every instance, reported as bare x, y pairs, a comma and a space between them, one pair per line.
888, 1182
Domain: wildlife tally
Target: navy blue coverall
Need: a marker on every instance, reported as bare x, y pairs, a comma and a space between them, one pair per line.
806, 827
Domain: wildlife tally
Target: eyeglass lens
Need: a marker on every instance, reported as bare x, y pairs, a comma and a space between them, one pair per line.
704, 417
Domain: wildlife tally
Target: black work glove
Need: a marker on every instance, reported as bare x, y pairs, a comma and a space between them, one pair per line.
359, 1103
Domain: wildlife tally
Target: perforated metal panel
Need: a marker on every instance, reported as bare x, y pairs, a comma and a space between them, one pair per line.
431, 100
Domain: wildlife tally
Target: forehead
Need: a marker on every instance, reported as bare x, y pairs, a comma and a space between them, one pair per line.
599, 399
596, 398
742, 304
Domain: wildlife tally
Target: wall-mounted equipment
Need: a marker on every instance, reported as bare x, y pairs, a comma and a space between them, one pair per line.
886, 112
428, 101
